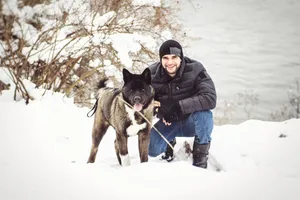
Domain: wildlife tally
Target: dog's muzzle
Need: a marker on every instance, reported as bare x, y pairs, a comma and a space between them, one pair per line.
137, 106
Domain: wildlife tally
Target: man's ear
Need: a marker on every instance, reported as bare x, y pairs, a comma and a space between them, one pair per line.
126, 76
147, 76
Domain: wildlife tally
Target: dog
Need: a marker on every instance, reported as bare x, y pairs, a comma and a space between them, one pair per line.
121, 109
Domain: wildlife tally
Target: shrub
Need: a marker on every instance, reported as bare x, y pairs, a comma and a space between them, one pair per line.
291, 109
66, 46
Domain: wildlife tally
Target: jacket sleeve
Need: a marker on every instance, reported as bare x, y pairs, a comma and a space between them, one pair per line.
205, 97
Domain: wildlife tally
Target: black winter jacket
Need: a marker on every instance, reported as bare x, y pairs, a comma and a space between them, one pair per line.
192, 87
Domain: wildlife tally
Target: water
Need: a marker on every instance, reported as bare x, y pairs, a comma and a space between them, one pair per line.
246, 44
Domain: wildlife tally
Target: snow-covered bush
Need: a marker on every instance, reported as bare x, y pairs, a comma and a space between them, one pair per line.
292, 108
66, 46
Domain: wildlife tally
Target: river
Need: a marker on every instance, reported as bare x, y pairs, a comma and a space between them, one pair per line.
245, 45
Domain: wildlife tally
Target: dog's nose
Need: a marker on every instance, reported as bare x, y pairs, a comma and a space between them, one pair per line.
137, 98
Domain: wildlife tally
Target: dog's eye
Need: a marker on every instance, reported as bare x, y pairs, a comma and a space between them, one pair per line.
131, 90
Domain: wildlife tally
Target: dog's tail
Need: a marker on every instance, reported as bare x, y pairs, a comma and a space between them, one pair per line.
102, 83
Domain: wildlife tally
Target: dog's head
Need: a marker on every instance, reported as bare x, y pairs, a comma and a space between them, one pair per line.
137, 90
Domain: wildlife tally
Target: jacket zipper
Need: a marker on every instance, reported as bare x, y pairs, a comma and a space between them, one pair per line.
170, 91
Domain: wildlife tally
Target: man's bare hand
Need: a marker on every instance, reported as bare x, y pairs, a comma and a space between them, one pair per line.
166, 123
156, 104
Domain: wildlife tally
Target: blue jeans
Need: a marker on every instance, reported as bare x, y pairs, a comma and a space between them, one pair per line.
198, 124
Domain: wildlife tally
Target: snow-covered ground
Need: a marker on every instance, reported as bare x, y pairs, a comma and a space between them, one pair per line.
45, 146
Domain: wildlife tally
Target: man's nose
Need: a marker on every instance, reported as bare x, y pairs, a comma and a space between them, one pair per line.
170, 61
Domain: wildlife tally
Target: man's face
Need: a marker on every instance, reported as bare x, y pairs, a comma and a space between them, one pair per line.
171, 63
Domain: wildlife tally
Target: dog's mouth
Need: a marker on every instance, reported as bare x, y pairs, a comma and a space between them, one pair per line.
137, 107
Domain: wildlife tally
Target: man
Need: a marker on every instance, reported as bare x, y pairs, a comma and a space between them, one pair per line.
184, 96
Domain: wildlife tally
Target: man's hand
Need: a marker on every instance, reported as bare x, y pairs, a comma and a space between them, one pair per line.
156, 106
166, 123
173, 114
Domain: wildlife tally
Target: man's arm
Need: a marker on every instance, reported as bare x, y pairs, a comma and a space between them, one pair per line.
205, 98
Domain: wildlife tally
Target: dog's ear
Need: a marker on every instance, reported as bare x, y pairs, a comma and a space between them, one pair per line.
126, 75
147, 76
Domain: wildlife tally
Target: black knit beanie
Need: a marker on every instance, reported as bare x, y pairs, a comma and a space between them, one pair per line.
170, 47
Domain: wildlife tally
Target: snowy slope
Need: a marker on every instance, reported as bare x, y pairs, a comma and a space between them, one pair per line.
45, 146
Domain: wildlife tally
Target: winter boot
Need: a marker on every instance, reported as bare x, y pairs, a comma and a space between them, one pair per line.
200, 154
169, 154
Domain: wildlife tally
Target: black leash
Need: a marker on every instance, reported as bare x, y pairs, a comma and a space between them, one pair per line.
94, 109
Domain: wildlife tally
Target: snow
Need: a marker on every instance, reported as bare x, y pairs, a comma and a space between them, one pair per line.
45, 147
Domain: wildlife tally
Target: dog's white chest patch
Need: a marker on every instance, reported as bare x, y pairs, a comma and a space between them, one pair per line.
134, 128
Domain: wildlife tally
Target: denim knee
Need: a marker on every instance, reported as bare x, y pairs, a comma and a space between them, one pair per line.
205, 114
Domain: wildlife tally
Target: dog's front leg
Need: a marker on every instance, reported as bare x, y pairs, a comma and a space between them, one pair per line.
144, 140
122, 149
